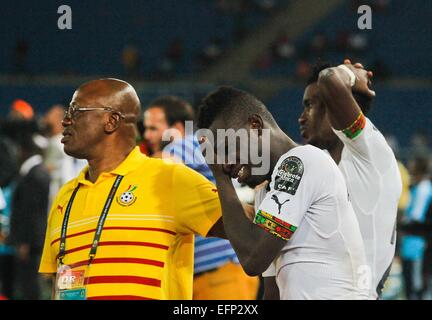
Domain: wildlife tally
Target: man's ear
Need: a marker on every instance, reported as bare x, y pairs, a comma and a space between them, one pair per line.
178, 125
256, 122
113, 123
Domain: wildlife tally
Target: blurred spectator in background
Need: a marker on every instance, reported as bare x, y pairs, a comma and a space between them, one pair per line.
20, 57
405, 197
266, 6
131, 61
9, 131
265, 60
141, 142
6, 255
155, 123
175, 51
2, 207
420, 143
168, 65
357, 43
61, 167
8, 158
21, 110
29, 210
341, 44
211, 53
303, 70
413, 246
284, 49
8, 171
318, 45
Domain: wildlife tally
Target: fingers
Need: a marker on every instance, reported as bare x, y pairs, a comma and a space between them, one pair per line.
356, 65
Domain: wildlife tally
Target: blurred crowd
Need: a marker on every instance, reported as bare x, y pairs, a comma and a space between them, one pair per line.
345, 42
33, 167
214, 48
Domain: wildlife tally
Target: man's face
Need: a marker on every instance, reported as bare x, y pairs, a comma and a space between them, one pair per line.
155, 124
315, 126
240, 152
86, 129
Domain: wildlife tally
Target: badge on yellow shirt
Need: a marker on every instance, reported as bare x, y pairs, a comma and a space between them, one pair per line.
70, 284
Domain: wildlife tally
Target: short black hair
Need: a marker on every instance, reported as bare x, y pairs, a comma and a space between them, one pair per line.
175, 108
233, 103
316, 69
364, 102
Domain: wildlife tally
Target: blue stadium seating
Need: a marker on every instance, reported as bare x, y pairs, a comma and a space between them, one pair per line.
402, 37
101, 29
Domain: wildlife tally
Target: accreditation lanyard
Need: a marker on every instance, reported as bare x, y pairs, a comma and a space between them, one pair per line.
99, 228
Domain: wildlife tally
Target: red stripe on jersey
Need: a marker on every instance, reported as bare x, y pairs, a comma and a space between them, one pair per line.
124, 279
119, 243
119, 260
116, 228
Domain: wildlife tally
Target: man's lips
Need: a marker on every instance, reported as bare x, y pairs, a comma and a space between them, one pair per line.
66, 137
303, 132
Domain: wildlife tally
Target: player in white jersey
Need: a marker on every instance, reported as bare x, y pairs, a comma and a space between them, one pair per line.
335, 103
305, 223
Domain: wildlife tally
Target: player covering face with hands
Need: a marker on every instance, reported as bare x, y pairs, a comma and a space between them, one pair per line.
304, 223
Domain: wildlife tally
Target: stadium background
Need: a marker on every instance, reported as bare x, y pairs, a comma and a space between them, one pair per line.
189, 47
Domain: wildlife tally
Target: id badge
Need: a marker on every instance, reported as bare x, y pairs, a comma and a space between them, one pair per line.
70, 284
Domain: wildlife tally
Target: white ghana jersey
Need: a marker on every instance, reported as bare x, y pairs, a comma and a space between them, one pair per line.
324, 258
374, 186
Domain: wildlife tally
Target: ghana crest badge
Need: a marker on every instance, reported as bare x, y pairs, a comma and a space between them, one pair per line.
127, 198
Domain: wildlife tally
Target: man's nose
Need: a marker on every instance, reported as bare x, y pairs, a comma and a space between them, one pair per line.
67, 121
302, 119
149, 136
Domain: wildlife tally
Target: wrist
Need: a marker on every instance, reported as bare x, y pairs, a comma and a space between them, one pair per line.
348, 71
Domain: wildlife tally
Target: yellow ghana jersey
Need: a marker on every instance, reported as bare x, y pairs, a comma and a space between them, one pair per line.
146, 247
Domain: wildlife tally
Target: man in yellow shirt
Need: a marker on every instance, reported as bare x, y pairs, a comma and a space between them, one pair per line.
124, 228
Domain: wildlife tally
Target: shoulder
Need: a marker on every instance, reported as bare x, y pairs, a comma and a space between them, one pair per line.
308, 157
303, 163
163, 170
371, 146
41, 172
67, 189
38, 174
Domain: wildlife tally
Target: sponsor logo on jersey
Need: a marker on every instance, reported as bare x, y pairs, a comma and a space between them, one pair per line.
279, 204
289, 175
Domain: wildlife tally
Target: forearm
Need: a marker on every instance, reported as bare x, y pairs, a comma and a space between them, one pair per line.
247, 239
335, 90
238, 228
